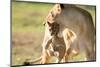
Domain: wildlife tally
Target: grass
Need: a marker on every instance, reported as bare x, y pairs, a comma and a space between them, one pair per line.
28, 16
28, 30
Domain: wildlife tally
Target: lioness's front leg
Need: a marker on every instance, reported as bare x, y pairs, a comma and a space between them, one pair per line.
46, 43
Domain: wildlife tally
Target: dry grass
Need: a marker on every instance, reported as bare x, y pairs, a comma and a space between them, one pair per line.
25, 46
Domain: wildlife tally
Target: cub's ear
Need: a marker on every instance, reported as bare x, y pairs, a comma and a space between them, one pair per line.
49, 23
72, 35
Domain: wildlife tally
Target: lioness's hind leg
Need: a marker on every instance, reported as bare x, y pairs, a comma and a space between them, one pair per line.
90, 53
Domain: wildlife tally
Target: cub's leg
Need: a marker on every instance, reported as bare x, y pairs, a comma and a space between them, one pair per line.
69, 36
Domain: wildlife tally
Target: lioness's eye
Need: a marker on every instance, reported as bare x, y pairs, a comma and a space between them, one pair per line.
44, 24
52, 14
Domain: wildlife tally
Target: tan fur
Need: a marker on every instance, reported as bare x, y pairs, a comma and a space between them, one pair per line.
75, 28
78, 21
58, 46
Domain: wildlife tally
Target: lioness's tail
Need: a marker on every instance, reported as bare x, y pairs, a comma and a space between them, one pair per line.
37, 60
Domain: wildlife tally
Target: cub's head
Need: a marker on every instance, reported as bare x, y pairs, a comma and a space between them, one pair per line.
53, 28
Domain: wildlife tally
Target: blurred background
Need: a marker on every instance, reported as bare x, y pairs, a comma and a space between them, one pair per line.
28, 29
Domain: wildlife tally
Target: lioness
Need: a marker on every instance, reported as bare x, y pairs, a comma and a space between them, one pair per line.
76, 19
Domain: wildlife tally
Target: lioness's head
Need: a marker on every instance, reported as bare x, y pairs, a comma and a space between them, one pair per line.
53, 27
56, 10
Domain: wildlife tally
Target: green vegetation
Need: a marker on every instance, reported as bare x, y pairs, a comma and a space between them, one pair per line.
28, 30
28, 16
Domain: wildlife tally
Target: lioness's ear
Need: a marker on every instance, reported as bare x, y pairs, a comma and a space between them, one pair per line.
61, 6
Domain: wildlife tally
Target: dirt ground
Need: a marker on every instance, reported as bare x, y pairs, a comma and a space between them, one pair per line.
25, 46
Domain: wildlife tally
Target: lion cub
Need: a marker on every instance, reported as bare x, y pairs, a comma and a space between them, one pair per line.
57, 46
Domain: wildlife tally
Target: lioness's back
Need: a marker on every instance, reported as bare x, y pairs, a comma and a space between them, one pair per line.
76, 19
